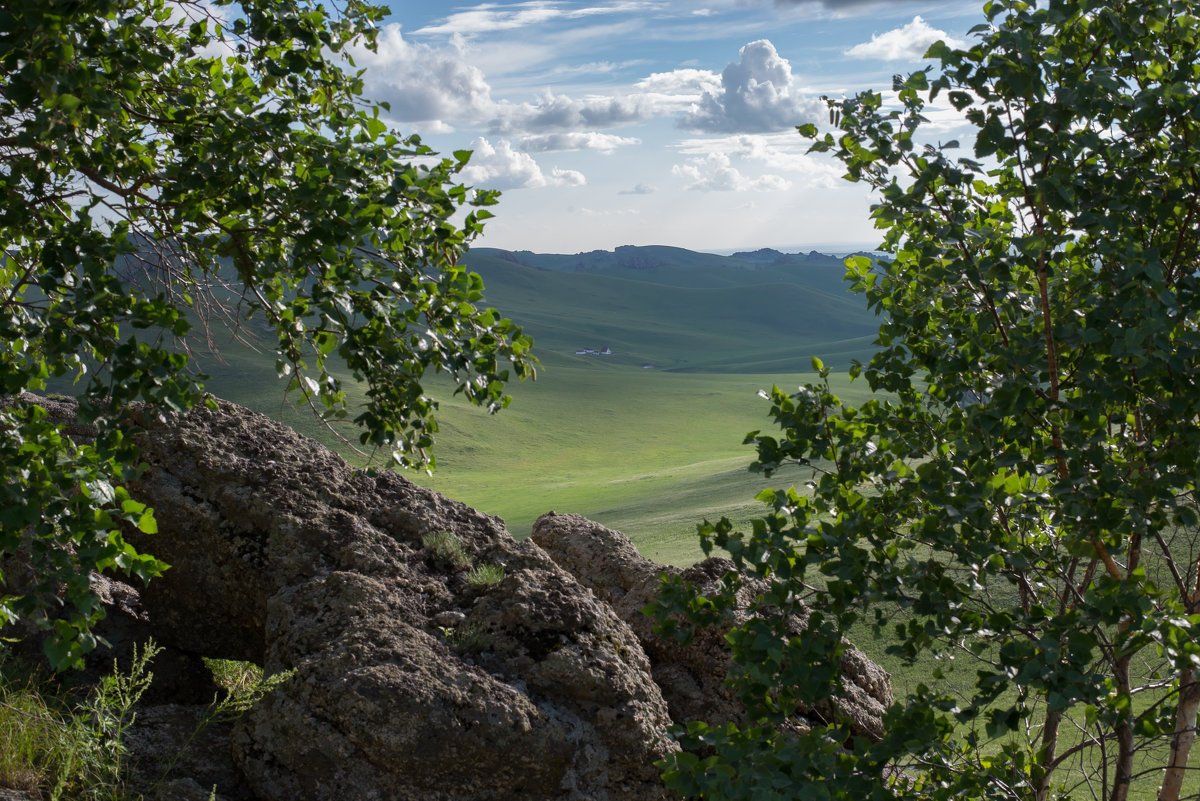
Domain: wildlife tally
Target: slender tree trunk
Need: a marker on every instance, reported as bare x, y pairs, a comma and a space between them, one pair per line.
1047, 753
1185, 735
1123, 774
1186, 705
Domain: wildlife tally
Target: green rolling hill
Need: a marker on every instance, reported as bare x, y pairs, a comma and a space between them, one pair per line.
683, 311
651, 452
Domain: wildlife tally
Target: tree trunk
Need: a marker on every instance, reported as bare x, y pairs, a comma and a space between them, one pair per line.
1047, 753
1185, 735
1123, 775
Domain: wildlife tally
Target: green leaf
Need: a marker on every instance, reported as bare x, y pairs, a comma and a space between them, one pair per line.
146, 522
68, 102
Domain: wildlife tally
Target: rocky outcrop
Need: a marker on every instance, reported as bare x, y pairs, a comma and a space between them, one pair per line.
411, 681
431, 655
691, 676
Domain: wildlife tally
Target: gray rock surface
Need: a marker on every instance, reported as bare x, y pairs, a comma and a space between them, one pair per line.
177, 752
691, 677
408, 681
285, 556
10, 794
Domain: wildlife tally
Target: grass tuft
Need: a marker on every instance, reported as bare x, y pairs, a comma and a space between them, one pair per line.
469, 638
481, 577
50, 745
446, 548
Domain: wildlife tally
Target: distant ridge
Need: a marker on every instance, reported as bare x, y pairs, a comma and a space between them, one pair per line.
762, 254
681, 310
642, 257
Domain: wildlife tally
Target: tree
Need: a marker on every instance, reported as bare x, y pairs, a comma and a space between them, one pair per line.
171, 165
1021, 492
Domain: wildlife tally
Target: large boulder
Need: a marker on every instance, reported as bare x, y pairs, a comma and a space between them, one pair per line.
411, 674
410, 680
692, 676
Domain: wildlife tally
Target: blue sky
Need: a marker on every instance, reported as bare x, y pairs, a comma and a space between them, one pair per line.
614, 122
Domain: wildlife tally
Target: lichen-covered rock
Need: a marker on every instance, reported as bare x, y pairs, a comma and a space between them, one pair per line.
691, 677
283, 555
408, 680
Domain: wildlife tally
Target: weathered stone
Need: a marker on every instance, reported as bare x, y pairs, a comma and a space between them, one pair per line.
691, 677
178, 676
10, 794
285, 556
451, 617
179, 752
406, 682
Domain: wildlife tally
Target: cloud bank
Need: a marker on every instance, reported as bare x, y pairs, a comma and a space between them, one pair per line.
561, 113
714, 173
441, 90
840, 5
575, 140
757, 94
423, 84
906, 43
500, 166
492, 17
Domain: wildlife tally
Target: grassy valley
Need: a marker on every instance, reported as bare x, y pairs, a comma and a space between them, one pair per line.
648, 439
719, 314
645, 452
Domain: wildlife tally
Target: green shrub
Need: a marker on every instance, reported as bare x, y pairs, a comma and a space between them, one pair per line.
59, 746
235, 678
483, 576
48, 745
445, 547
245, 685
469, 638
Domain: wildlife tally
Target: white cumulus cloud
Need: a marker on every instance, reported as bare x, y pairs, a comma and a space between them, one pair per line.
561, 113
757, 94
560, 177
715, 173
586, 212
780, 153
422, 83
500, 166
681, 82
906, 43
575, 140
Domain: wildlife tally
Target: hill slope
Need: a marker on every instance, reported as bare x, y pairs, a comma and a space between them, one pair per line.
649, 452
682, 311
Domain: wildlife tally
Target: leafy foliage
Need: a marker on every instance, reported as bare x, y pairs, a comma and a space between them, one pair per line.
67, 747
172, 164
1022, 494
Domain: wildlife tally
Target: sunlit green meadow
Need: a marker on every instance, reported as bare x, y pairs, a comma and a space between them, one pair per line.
649, 453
